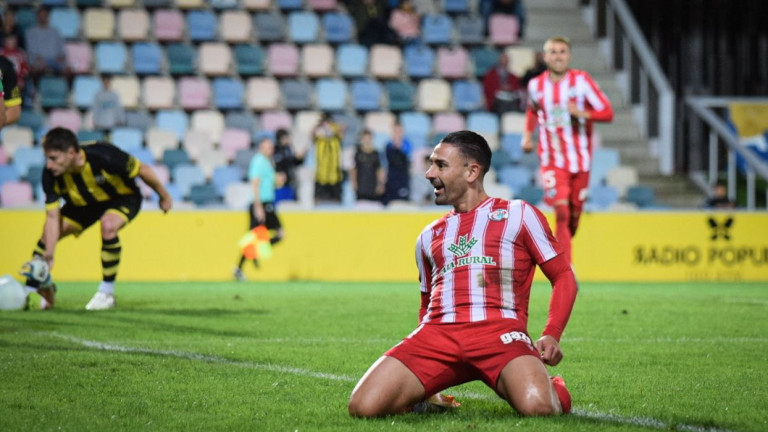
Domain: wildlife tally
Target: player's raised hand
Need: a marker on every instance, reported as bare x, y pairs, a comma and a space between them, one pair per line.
549, 349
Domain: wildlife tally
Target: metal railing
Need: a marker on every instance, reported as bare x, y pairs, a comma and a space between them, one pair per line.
703, 109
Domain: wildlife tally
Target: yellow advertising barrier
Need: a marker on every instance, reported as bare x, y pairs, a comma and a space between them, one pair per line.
380, 246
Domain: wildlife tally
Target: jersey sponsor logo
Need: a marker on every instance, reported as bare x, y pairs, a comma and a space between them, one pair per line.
465, 261
463, 247
498, 215
513, 336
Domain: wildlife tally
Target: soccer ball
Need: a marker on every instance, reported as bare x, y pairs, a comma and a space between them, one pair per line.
12, 294
37, 270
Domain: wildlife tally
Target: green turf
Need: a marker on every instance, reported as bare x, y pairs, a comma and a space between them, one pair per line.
285, 356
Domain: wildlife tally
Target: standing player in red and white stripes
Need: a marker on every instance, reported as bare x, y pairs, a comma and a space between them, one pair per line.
565, 103
476, 265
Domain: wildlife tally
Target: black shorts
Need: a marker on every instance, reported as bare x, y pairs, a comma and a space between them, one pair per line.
328, 192
127, 206
272, 221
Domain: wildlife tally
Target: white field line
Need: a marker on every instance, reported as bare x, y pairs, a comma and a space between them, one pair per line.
604, 417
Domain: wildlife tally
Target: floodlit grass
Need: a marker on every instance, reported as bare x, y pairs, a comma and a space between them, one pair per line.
285, 356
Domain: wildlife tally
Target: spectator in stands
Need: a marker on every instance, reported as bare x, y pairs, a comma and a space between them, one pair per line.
286, 161
502, 88
398, 186
108, 111
328, 173
719, 198
10, 109
9, 26
367, 175
18, 57
539, 67
405, 22
507, 7
370, 18
45, 47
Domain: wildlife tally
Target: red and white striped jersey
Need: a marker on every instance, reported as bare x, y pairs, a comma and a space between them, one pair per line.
479, 265
564, 141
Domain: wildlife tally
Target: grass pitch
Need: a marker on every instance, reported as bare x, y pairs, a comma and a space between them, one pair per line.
284, 357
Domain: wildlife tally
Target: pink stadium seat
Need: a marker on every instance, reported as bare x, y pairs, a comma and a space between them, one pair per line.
503, 29
233, 140
445, 122
323, 5
452, 63
317, 60
158, 92
133, 24
168, 25
274, 120
64, 117
194, 92
283, 59
79, 57
16, 194
3, 156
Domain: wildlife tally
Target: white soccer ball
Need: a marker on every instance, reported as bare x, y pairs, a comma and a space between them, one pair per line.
12, 294
37, 269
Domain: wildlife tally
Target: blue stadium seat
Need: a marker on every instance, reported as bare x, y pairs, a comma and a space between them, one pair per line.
89, 3
531, 194
601, 197
224, 4
470, 29
353, 127
201, 25
415, 123
26, 17
352, 60
147, 58
303, 26
187, 175
157, 3
127, 138
290, 4
228, 93
175, 157
54, 2
338, 27
224, 176
484, 59
455, 6
419, 61
54, 92
66, 21
331, 94
9, 173
483, 122
243, 160
642, 196
510, 142
603, 160
111, 57
35, 175
249, 59
84, 89
25, 157
437, 29
297, 94
467, 95
271, 26
204, 195
31, 119
173, 120
400, 95
244, 120
516, 177
182, 59
143, 155
84, 135
366, 95
138, 120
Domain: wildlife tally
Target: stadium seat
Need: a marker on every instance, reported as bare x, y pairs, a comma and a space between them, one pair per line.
182, 59
173, 120
520, 59
516, 177
271, 121
147, 58
338, 27
512, 122
436, 29
194, 93
66, 21
304, 123
201, 25
35, 177
204, 195
510, 143
601, 197
162, 173
26, 157
419, 61
54, 92
297, 95
168, 25
215, 58
235, 26
84, 89
116, 4
415, 123
158, 92
143, 155
603, 161
79, 57
317, 60
622, 178
331, 94
228, 93
283, 59
127, 138
98, 24
366, 95
470, 30
173, 158
15, 137
483, 122
483, 58
386, 61
452, 63
8, 173
157, 3
263, 93
243, 161
187, 175
138, 120
32, 119
434, 95
323, 5
379, 122
257, 5
223, 176
111, 57
287, 5
353, 126
467, 96
65, 117
54, 2
249, 59
303, 27
446, 122
244, 120
133, 25
196, 143
159, 140
503, 29
271, 26
16, 194
352, 60
238, 196
84, 135
400, 95
531, 194
642, 196
210, 121
127, 89
456, 6
233, 140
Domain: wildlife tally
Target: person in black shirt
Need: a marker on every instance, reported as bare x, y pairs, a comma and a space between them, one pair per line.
367, 176
286, 162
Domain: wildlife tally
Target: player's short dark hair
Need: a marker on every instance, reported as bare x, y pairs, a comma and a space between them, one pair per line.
472, 146
61, 139
280, 134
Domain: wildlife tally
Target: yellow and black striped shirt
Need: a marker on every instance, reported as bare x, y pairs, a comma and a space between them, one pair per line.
108, 173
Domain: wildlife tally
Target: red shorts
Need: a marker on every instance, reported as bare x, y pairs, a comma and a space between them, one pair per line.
562, 185
446, 355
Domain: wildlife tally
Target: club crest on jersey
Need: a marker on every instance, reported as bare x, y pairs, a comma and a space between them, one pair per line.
498, 215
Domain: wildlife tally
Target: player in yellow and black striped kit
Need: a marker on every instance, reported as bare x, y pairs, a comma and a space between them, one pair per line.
96, 183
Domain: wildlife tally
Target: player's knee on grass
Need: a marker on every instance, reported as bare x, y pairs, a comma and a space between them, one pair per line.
537, 405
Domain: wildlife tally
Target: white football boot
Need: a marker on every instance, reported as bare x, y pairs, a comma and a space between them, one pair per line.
101, 301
